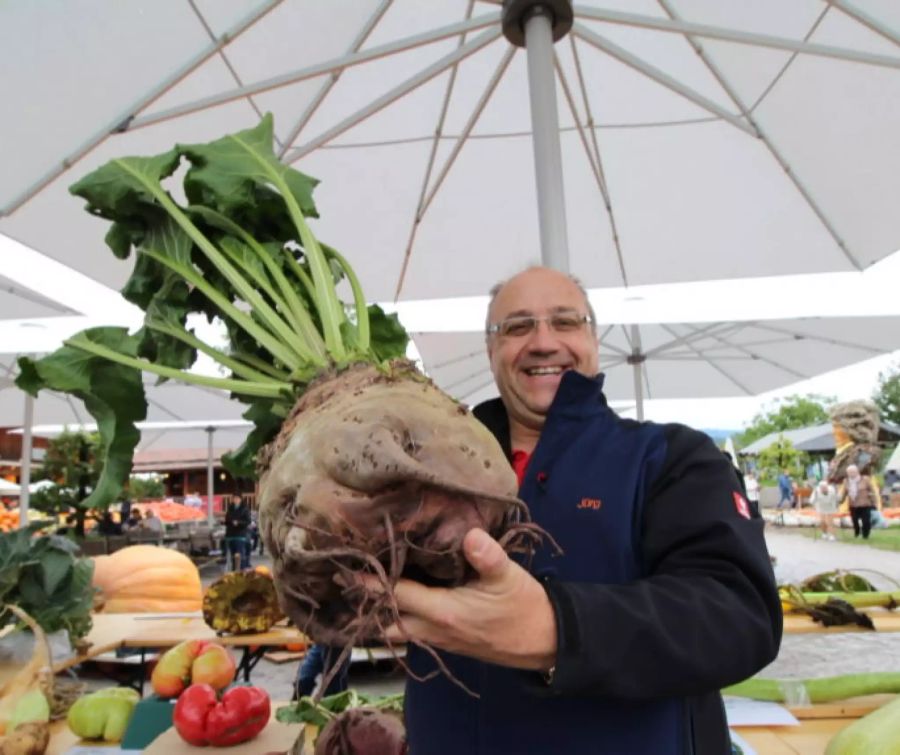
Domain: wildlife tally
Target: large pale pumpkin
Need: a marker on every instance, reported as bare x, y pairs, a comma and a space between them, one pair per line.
147, 579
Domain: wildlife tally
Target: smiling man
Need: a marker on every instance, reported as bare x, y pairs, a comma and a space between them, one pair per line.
663, 592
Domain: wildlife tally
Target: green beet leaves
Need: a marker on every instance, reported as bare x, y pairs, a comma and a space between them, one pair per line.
230, 243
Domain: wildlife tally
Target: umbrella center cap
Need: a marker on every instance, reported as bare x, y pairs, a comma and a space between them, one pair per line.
517, 12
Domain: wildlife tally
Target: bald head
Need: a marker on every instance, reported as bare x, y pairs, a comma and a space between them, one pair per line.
540, 274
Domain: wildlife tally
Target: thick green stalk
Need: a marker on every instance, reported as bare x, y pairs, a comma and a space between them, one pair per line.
327, 301
303, 322
273, 345
819, 690
298, 270
359, 299
268, 315
263, 366
248, 373
246, 388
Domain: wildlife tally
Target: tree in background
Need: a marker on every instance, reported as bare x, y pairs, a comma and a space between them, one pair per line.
72, 463
787, 414
778, 456
887, 395
145, 486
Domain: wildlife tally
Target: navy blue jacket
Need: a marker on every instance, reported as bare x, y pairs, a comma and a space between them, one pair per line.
663, 595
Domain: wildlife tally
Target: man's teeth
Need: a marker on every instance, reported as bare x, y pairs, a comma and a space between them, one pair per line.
544, 370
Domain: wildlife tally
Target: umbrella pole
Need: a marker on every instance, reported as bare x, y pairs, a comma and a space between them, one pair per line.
545, 139
209, 476
536, 25
25, 469
636, 359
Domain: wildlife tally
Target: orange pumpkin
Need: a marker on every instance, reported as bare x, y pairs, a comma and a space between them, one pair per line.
147, 579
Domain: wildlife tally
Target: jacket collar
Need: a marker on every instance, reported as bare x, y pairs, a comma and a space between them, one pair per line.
577, 395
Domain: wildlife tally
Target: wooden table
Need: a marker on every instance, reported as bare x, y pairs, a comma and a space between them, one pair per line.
149, 631
811, 737
276, 737
884, 620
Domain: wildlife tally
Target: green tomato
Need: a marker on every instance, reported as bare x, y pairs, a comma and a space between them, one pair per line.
32, 707
103, 714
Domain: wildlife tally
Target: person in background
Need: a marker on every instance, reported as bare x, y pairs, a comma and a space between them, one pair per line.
193, 500
316, 666
861, 494
785, 489
237, 528
152, 523
135, 520
824, 499
751, 485
108, 525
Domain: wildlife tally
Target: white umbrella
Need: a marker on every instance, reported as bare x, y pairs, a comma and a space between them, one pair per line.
9, 488
698, 138
701, 360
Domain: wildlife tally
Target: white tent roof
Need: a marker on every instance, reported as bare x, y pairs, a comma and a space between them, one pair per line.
773, 151
701, 360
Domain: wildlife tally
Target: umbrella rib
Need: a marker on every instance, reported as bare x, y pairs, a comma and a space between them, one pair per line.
688, 338
866, 20
715, 366
461, 381
735, 35
660, 76
788, 63
126, 120
432, 156
768, 360
22, 293
425, 75
821, 339
451, 159
470, 124
457, 360
764, 138
224, 57
593, 158
319, 69
333, 77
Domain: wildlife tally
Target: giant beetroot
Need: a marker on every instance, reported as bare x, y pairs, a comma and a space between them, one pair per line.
377, 471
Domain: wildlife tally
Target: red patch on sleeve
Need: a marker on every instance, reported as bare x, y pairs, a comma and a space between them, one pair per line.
740, 503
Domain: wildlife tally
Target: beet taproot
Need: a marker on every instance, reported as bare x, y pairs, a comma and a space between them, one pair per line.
378, 472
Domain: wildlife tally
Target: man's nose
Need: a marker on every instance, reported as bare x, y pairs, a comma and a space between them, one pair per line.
543, 337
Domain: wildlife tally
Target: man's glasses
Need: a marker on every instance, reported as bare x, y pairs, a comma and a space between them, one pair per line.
519, 326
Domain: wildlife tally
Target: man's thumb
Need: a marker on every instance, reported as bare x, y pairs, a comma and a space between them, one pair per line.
485, 554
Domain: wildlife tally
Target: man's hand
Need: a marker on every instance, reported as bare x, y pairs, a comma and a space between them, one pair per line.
503, 616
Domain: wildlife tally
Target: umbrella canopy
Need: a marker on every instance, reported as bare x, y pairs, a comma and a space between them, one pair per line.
701, 360
699, 139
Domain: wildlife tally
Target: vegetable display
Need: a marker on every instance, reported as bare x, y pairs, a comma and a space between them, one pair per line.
241, 602
877, 733
824, 689
201, 718
103, 714
192, 662
350, 723
46, 578
146, 578
363, 464
24, 707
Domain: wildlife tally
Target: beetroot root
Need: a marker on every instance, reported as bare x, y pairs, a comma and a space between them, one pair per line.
362, 731
378, 472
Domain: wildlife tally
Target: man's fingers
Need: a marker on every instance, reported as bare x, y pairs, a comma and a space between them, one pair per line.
485, 554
